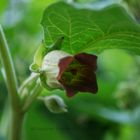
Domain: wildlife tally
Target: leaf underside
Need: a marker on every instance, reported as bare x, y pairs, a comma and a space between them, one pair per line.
91, 31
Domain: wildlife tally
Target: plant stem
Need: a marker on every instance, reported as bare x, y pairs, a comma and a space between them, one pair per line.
17, 111
9, 70
11, 81
28, 82
16, 123
35, 92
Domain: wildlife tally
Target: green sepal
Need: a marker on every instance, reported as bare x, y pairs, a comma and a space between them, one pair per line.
43, 79
34, 68
38, 57
57, 45
41, 52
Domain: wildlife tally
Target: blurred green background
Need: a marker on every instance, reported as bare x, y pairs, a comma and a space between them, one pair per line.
112, 114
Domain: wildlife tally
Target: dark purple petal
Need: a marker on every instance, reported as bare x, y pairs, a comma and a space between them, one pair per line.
70, 92
89, 82
77, 74
87, 59
63, 64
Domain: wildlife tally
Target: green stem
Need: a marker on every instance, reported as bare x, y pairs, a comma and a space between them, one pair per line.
28, 82
16, 124
11, 81
17, 112
35, 92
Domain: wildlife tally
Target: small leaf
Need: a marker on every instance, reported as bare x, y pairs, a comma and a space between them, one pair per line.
38, 57
87, 30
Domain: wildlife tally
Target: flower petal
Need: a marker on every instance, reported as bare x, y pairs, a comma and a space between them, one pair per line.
87, 59
63, 64
87, 85
77, 74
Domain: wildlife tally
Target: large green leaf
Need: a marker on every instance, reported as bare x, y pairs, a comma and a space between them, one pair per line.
87, 30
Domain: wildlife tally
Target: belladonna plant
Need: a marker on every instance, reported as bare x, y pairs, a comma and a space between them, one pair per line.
51, 69
56, 67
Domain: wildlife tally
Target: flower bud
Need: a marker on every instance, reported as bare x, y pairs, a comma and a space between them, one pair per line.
55, 104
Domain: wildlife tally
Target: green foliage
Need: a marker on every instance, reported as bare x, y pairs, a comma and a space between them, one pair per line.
3, 4
89, 30
89, 116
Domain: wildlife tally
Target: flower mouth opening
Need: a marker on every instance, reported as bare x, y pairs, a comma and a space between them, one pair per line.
63, 65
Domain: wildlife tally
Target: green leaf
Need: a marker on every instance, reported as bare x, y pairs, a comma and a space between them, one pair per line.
3, 4
87, 30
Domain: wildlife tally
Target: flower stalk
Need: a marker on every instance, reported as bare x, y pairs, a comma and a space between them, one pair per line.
34, 93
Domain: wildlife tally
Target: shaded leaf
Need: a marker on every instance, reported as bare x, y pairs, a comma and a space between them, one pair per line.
89, 30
